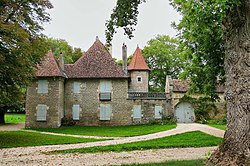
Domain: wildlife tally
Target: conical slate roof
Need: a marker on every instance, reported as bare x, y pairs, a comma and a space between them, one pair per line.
49, 67
95, 63
138, 62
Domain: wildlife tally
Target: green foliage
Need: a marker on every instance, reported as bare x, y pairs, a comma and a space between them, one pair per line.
119, 62
200, 31
21, 46
61, 46
199, 162
109, 131
14, 118
189, 139
10, 139
164, 58
125, 16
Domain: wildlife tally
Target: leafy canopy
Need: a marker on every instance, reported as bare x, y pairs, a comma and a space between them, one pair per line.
59, 45
125, 16
164, 58
21, 45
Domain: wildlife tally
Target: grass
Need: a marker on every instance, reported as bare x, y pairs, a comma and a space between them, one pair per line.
14, 118
218, 126
199, 162
109, 131
9, 139
189, 139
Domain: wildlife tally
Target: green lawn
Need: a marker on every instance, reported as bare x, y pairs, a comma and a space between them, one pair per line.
109, 131
199, 162
9, 139
14, 118
218, 126
189, 139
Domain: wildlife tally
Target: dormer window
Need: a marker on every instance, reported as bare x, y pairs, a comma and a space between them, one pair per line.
139, 79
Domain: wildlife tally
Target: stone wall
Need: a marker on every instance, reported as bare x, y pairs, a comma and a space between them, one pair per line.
53, 99
134, 85
89, 102
121, 107
148, 110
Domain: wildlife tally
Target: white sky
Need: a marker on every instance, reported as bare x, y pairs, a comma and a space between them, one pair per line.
80, 21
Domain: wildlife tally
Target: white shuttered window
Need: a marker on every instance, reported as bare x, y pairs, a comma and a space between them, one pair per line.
41, 112
42, 86
158, 112
105, 86
77, 87
105, 112
76, 112
137, 112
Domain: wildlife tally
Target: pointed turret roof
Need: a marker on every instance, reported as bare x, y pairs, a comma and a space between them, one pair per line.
49, 67
138, 62
95, 63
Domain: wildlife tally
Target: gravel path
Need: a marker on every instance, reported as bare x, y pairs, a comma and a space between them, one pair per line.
32, 155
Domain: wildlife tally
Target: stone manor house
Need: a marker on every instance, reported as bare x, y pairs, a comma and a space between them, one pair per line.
95, 91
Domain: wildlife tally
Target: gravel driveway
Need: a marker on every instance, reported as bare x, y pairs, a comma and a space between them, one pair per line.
36, 156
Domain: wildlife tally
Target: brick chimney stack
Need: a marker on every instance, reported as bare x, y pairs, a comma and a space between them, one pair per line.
61, 61
124, 58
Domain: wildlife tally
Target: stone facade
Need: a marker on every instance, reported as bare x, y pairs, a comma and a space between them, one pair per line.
53, 100
139, 81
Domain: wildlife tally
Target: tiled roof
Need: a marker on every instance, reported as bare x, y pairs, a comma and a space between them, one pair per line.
180, 85
95, 63
49, 67
138, 62
183, 86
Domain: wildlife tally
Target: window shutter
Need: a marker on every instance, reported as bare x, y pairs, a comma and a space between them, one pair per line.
137, 111
41, 112
42, 86
105, 112
102, 112
76, 112
158, 112
77, 87
105, 86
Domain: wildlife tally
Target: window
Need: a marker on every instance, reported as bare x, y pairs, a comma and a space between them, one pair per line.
158, 112
42, 86
105, 112
77, 87
41, 112
105, 90
137, 112
76, 111
139, 79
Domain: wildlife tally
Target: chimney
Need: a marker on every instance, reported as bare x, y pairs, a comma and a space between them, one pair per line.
124, 58
61, 61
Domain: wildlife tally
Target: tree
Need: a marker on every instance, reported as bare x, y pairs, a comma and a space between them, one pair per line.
61, 46
163, 57
232, 17
21, 47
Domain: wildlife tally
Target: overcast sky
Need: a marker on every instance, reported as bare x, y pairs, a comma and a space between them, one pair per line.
80, 21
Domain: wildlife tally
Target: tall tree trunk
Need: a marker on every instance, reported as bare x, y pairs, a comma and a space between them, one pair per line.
235, 149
